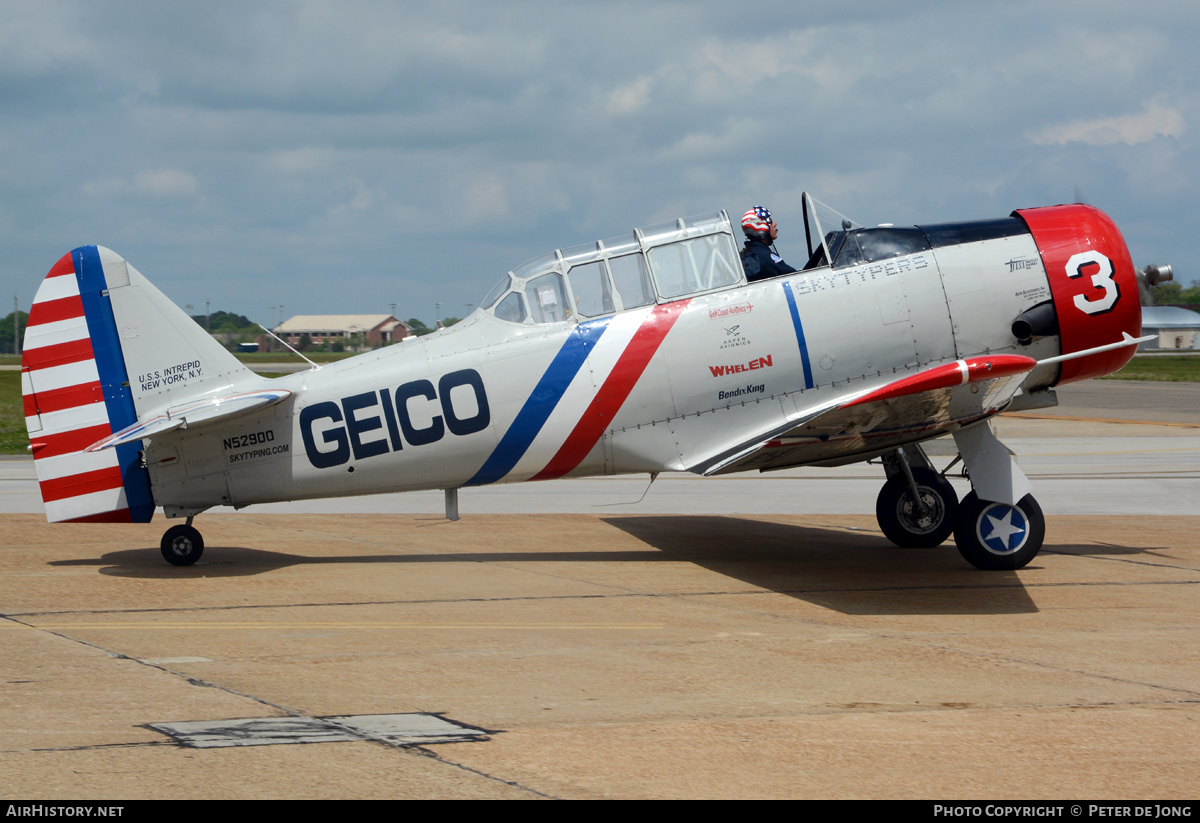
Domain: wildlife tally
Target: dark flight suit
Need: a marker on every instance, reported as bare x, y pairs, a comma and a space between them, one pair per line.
760, 262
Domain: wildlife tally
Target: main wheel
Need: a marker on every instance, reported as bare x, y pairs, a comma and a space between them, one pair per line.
901, 519
997, 535
182, 545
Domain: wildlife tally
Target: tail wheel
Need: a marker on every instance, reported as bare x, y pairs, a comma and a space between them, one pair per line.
999, 536
904, 522
182, 545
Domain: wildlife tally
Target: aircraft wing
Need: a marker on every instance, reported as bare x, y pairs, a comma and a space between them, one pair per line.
941, 398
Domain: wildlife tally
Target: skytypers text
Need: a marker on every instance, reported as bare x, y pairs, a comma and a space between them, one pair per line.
377, 422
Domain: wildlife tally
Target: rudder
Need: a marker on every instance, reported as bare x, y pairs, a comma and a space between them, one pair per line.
96, 326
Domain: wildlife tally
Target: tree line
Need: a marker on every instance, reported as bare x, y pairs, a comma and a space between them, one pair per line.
1168, 294
231, 328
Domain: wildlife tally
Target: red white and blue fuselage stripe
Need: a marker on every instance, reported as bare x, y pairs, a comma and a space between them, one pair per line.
566, 414
76, 392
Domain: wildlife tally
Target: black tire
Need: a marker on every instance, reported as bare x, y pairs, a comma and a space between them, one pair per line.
1022, 528
182, 545
900, 519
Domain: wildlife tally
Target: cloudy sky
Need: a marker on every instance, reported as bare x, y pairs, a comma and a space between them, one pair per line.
341, 157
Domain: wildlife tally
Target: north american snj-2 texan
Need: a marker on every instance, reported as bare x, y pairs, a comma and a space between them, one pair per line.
646, 353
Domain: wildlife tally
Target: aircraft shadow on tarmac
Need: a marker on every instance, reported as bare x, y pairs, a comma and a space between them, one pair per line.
847, 570
839, 568
1112, 550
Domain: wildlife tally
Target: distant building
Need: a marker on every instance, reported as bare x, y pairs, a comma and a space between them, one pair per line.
354, 331
1176, 327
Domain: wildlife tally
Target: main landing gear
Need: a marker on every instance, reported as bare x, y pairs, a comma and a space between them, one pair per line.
918, 508
182, 545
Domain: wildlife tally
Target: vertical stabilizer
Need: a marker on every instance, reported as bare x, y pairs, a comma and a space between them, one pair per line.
169, 359
103, 347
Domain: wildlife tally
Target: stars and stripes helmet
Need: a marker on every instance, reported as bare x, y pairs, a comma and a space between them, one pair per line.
757, 222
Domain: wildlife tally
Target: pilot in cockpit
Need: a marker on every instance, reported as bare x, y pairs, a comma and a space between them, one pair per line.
759, 258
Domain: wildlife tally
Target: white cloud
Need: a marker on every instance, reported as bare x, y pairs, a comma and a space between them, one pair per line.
630, 99
174, 184
485, 198
1156, 120
39, 36
303, 161
362, 200
165, 183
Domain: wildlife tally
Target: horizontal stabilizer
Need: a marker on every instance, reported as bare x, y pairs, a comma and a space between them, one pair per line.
192, 414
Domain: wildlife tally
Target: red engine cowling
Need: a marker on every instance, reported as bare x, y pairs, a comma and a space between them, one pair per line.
1092, 282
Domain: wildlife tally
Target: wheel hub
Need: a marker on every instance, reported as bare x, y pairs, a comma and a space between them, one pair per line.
1002, 529
910, 514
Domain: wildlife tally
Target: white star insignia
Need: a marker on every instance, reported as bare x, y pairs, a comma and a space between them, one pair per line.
1003, 528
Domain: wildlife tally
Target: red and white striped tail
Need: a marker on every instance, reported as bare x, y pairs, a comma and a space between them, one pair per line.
71, 378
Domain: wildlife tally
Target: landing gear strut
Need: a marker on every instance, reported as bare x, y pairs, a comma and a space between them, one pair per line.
182, 545
1000, 525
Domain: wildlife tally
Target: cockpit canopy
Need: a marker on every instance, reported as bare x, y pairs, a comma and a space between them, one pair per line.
659, 263
834, 238
670, 261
